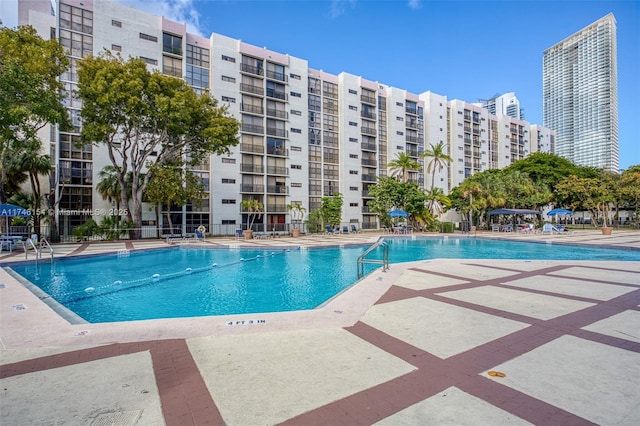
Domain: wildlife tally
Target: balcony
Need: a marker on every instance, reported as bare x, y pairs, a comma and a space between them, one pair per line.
412, 152
368, 130
252, 109
368, 146
368, 99
246, 147
411, 125
251, 69
277, 189
368, 115
276, 170
413, 139
368, 178
276, 94
249, 88
277, 113
278, 151
276, 208
252, 128
252, 168
276, 76
368, 162
281, 133
252, 189
410, 110
365, 194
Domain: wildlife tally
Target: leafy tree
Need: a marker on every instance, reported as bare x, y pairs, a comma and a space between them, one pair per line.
586, 193
438, 159
401, 166
170, 185
630, 188
388, 193
144, 117
31, 93
331, 209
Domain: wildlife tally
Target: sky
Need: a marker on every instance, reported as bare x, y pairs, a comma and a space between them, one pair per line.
467, 50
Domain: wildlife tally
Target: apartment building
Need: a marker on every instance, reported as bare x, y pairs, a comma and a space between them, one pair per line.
305, 134
580, 95
505, 104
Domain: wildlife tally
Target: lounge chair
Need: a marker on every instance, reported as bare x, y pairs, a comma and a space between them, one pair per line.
354, 229
548, 228
239, 234
345, 229
199, 235
495, 227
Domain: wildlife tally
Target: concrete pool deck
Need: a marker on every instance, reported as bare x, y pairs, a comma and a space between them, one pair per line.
446, 342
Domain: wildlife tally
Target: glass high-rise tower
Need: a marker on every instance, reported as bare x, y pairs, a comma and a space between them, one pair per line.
580, 95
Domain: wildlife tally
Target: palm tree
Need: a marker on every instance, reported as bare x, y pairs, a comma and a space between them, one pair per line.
402, 164
437, 201
109, 187
33, 164
254, 209
438, 160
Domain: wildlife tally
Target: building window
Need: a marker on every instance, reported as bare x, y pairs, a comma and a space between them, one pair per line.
228, 222
296, 94
148, 37
400, 118
353, 188
296, 185
399, 104
296, 112
296, 148
399, 133
294, 130
353, 92
116, 48
227, 180
353, 140
115, 23
228, 58
400, 147
172, 66
149, 61
294, 76
353, 172
197, 56
296, 166
172, 44
228, 79
228, 99
353, 155
353, 123
353, 204
229, 161
228, 201
353, 107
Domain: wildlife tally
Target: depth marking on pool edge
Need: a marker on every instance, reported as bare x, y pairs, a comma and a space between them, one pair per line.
246, 322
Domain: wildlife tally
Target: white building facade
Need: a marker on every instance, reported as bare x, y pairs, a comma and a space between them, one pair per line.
580, 95
305, 134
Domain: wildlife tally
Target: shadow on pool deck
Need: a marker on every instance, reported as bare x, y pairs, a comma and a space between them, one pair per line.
414, 345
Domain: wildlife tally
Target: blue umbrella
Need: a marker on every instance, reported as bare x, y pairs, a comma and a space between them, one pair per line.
11, 210
398, 213
559, 211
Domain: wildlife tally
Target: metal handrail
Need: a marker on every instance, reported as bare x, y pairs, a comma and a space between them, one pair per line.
362, 260
44, 242
25, 246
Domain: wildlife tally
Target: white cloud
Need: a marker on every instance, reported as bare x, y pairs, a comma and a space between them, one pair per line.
182, 11
415, 4
339, 7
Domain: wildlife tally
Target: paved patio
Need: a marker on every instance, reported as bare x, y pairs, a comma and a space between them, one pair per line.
446, 342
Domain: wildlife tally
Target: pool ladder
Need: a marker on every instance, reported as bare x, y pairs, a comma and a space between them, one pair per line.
37, 247
362, 260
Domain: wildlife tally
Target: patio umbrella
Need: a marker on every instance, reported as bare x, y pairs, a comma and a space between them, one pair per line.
11, 210
559, 211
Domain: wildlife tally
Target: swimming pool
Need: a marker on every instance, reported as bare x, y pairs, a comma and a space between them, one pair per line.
191, 281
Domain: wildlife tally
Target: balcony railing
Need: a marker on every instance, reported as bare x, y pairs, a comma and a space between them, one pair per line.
246, 147
252, 128
368, 99
368, 130
276, 76
282, 133
365, 194
411, 125
275, 170
368, 115
253, 109
251, 69
413, 111
368, 162
277, 150
272, 208
250, 88
368, 178
277, 189
259, 189
413, 139
252, 168
276, 94
368, 146
277, 113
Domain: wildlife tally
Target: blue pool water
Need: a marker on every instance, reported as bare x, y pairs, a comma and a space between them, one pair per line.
187, 282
